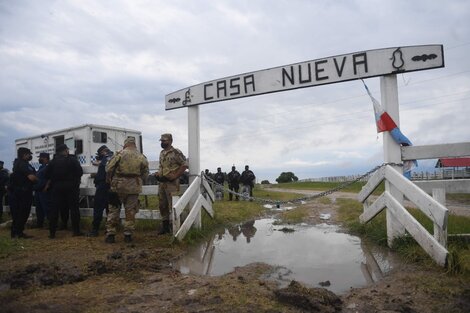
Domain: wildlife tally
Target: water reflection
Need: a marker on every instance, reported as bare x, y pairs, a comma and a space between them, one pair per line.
311, 254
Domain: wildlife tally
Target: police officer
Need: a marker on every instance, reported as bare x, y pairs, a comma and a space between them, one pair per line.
248, 179
100, 204
21, 192
64, 173
172, 165
41, 195
233, 182
219, 178
126, 172
4, 177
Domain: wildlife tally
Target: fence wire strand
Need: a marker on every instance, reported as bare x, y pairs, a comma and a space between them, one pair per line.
301, 199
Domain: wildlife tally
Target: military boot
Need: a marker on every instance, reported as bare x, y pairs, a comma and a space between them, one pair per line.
127, 238
93, 233
109, 239
165, 228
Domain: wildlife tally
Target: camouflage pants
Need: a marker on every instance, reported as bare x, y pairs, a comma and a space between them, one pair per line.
165, 193
131, 207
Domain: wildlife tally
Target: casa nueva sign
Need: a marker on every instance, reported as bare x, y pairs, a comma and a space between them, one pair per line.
322, 71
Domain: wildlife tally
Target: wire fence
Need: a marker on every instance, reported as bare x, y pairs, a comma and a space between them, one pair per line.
300, 199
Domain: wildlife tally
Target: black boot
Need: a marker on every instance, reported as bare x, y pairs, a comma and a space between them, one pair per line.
165, 228
127, 238
93, 233
110, 239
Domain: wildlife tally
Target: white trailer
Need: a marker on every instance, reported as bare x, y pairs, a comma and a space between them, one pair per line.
83, 141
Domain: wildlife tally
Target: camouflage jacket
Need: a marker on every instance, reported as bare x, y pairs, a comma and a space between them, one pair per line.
171, 160
126, 170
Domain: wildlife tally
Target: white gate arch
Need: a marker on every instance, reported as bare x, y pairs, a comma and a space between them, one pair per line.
384, 63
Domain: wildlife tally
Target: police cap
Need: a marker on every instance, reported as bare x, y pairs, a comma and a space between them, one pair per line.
61, 148
44, 155
100, 149
22, 151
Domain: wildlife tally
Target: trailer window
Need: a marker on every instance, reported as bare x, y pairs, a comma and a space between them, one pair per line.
100, 137
78, 146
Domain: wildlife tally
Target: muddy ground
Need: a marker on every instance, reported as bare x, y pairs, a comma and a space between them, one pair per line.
80, 274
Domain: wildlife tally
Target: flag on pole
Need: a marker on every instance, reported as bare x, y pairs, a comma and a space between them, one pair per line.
384, 122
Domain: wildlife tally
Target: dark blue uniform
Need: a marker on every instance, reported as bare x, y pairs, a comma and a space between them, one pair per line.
64, 172
41, 197
101, 200
20, 195
233, 182
4, 177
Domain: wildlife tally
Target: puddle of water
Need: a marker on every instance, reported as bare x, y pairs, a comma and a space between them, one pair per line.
310, 254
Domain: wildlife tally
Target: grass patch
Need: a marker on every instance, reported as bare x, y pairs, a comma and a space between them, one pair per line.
294, 216
9, 246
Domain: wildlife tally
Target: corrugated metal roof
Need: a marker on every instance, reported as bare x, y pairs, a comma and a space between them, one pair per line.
453, 162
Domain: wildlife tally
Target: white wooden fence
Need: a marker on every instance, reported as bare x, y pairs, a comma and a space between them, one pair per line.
203, 200
434, 207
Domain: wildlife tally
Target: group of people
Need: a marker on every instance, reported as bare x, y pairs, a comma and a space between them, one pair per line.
234, 179
56, 190
118, 181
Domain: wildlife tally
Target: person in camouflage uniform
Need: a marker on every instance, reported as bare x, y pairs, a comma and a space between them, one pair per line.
172, 165
125, 172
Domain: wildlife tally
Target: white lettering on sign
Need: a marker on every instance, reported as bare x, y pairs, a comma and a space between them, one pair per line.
329, 70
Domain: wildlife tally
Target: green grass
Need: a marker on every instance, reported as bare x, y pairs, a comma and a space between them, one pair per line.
375, 230
9, 246
294, 216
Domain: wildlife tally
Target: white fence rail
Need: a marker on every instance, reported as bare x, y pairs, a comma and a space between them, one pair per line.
435, 245
193, 191
417, 192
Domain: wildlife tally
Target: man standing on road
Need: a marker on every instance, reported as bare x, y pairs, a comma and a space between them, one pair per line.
172, 165
233, 182
248, 179
21, 192
64, 173
126, 172
219, 178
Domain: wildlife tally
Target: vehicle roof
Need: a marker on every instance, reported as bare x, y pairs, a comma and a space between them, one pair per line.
79, 127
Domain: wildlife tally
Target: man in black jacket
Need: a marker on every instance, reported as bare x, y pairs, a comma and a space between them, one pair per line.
21, 192
248, 179
233, 182
64, 173
4, 178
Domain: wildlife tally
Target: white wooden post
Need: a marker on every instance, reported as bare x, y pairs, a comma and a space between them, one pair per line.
439, 194
392, 151
194, 153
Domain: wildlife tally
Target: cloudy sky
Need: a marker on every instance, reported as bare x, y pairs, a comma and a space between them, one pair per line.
67, 63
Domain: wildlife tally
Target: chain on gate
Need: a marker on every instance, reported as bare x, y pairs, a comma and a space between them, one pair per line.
302, 199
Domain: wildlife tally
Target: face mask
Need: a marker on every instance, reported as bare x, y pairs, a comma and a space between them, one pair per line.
164, 145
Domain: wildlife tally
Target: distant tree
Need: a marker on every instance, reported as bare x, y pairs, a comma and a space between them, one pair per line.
287, 177
265, 182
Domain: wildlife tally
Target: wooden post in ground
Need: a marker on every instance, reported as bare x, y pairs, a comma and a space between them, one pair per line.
392, 151
439, 194
194, 153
